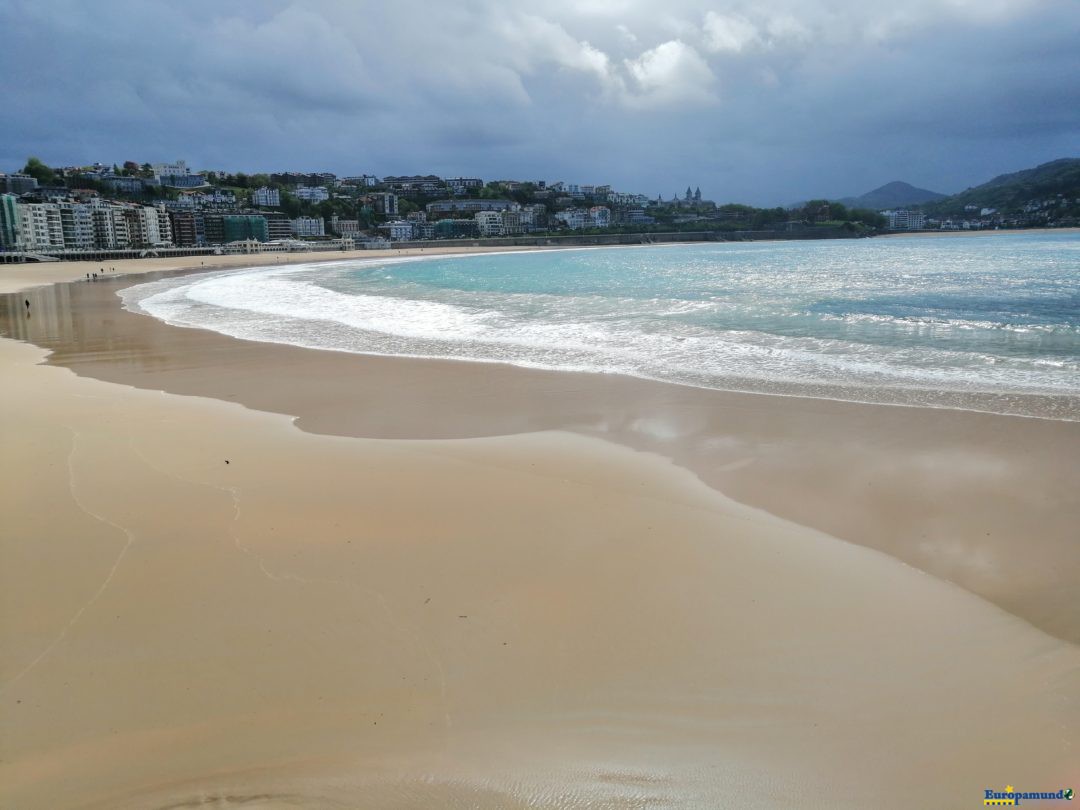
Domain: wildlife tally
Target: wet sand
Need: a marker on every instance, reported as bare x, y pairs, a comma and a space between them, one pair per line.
474, 589
988, 502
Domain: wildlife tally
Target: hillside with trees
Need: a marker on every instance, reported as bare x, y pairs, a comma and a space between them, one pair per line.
1047, 193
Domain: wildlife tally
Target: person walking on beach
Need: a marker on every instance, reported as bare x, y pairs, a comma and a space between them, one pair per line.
27, 302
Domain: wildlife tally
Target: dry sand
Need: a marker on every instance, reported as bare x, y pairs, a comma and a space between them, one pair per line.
458, 618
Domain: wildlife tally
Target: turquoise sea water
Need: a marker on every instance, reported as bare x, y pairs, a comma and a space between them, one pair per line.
989, 321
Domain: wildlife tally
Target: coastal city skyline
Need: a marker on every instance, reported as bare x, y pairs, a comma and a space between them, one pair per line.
773, 103
107, 210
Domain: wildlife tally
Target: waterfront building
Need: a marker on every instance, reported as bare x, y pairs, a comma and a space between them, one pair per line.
455, 229
513, 222
223, 228
188, 228
903, 220
398, 230
278, 226
489, 223
41, 226
105, 225
77, 222
10, 224
239, 227
309, 226
155, 229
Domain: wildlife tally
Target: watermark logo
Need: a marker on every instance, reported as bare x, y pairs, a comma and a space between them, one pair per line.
1012, 797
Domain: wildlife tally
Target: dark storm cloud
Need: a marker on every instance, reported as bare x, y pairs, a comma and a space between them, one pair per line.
765, 102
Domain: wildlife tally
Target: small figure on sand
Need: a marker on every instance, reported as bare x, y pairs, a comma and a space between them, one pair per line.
27, 302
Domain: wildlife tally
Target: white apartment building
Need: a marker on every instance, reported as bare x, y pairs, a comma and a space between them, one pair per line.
490, 223
155, 229
599, 216
902, 220
398, 230
312, 194
178, 169
77, 220
113, 227
267, 197
308, 226
41, 226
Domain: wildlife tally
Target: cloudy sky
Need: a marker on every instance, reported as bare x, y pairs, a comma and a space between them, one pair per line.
763, 101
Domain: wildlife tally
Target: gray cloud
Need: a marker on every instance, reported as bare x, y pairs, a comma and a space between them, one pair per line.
764, 102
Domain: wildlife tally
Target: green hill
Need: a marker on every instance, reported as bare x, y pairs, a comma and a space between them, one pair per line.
1052, 189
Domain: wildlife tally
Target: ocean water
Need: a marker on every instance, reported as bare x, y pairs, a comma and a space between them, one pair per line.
988, 322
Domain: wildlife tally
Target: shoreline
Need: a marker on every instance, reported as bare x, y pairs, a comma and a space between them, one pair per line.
736, 442
1040, 405
412, 583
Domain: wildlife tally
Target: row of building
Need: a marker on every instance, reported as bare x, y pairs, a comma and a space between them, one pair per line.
490, 218
71, 225
98, 224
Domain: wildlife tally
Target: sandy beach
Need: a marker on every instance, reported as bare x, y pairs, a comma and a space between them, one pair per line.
248, 575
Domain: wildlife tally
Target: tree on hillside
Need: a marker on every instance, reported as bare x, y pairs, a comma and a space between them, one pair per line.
39, 171
290, 204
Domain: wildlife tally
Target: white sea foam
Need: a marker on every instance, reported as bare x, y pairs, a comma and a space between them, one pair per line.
722, 338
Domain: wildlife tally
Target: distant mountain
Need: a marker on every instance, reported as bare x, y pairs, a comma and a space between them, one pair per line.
1048, 183
896, 194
